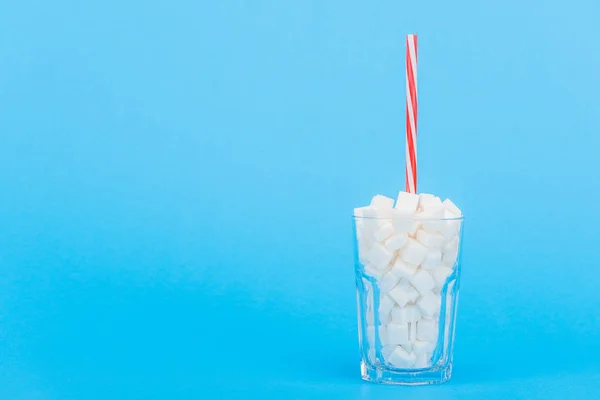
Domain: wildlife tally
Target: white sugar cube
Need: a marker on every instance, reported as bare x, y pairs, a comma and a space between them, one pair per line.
373, 272
431, 219
423, 347
427, 200
396, 241
362, 233
407, 347
449, 259
413, 313
369, 221
380, 201
403, 270
400, 358
432, 240
403, 295
412, 331
363, 213
450, 206
385, 319
413, 294
397, 333
363, 251
404, 221
405, 315
386, 229
388, 281
450, 252
433, 260
422, 361
422, 281
404, 284
379, 256
451, 225
387, 350
429, 303
407, 201
381, 333
451, 245
413, 252
385, 305
383, 206
427, 330
440, 275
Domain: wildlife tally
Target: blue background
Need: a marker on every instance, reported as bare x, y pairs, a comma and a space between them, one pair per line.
178, 176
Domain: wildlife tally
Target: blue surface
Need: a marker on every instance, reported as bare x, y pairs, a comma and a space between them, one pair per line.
177, 179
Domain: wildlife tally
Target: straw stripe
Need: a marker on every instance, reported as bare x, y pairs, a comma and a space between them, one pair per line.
412, 123
411, 113
409, 173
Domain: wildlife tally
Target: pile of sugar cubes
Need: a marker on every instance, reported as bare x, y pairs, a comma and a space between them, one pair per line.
408, 249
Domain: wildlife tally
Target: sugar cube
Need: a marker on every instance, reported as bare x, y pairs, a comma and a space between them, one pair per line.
423, 346
431, 219
430, 239
422, 361
396, 241
403, 295
385, 319
379, 256
403, 270
422, 281
404, 315
413, 252
369, 222
386, 229
450, 206
373, 272
451, 245
451, 225
363, 251
383, 206
412, 331
449, 258
386, 304
397, 333
400, 358
387, 350
388, 281
380, 201
383, 335
404, 221
427, 330
433, 260
407, 201
429, 303
440, 275
427, 200
450, 252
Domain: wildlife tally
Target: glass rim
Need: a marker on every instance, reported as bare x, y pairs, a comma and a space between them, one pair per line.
358, 217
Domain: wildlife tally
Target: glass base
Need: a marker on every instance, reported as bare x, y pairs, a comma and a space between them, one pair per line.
427, 376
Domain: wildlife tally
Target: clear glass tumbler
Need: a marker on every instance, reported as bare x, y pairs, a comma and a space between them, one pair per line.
407, 281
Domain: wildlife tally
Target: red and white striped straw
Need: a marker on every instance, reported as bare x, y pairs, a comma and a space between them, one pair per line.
411, 113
